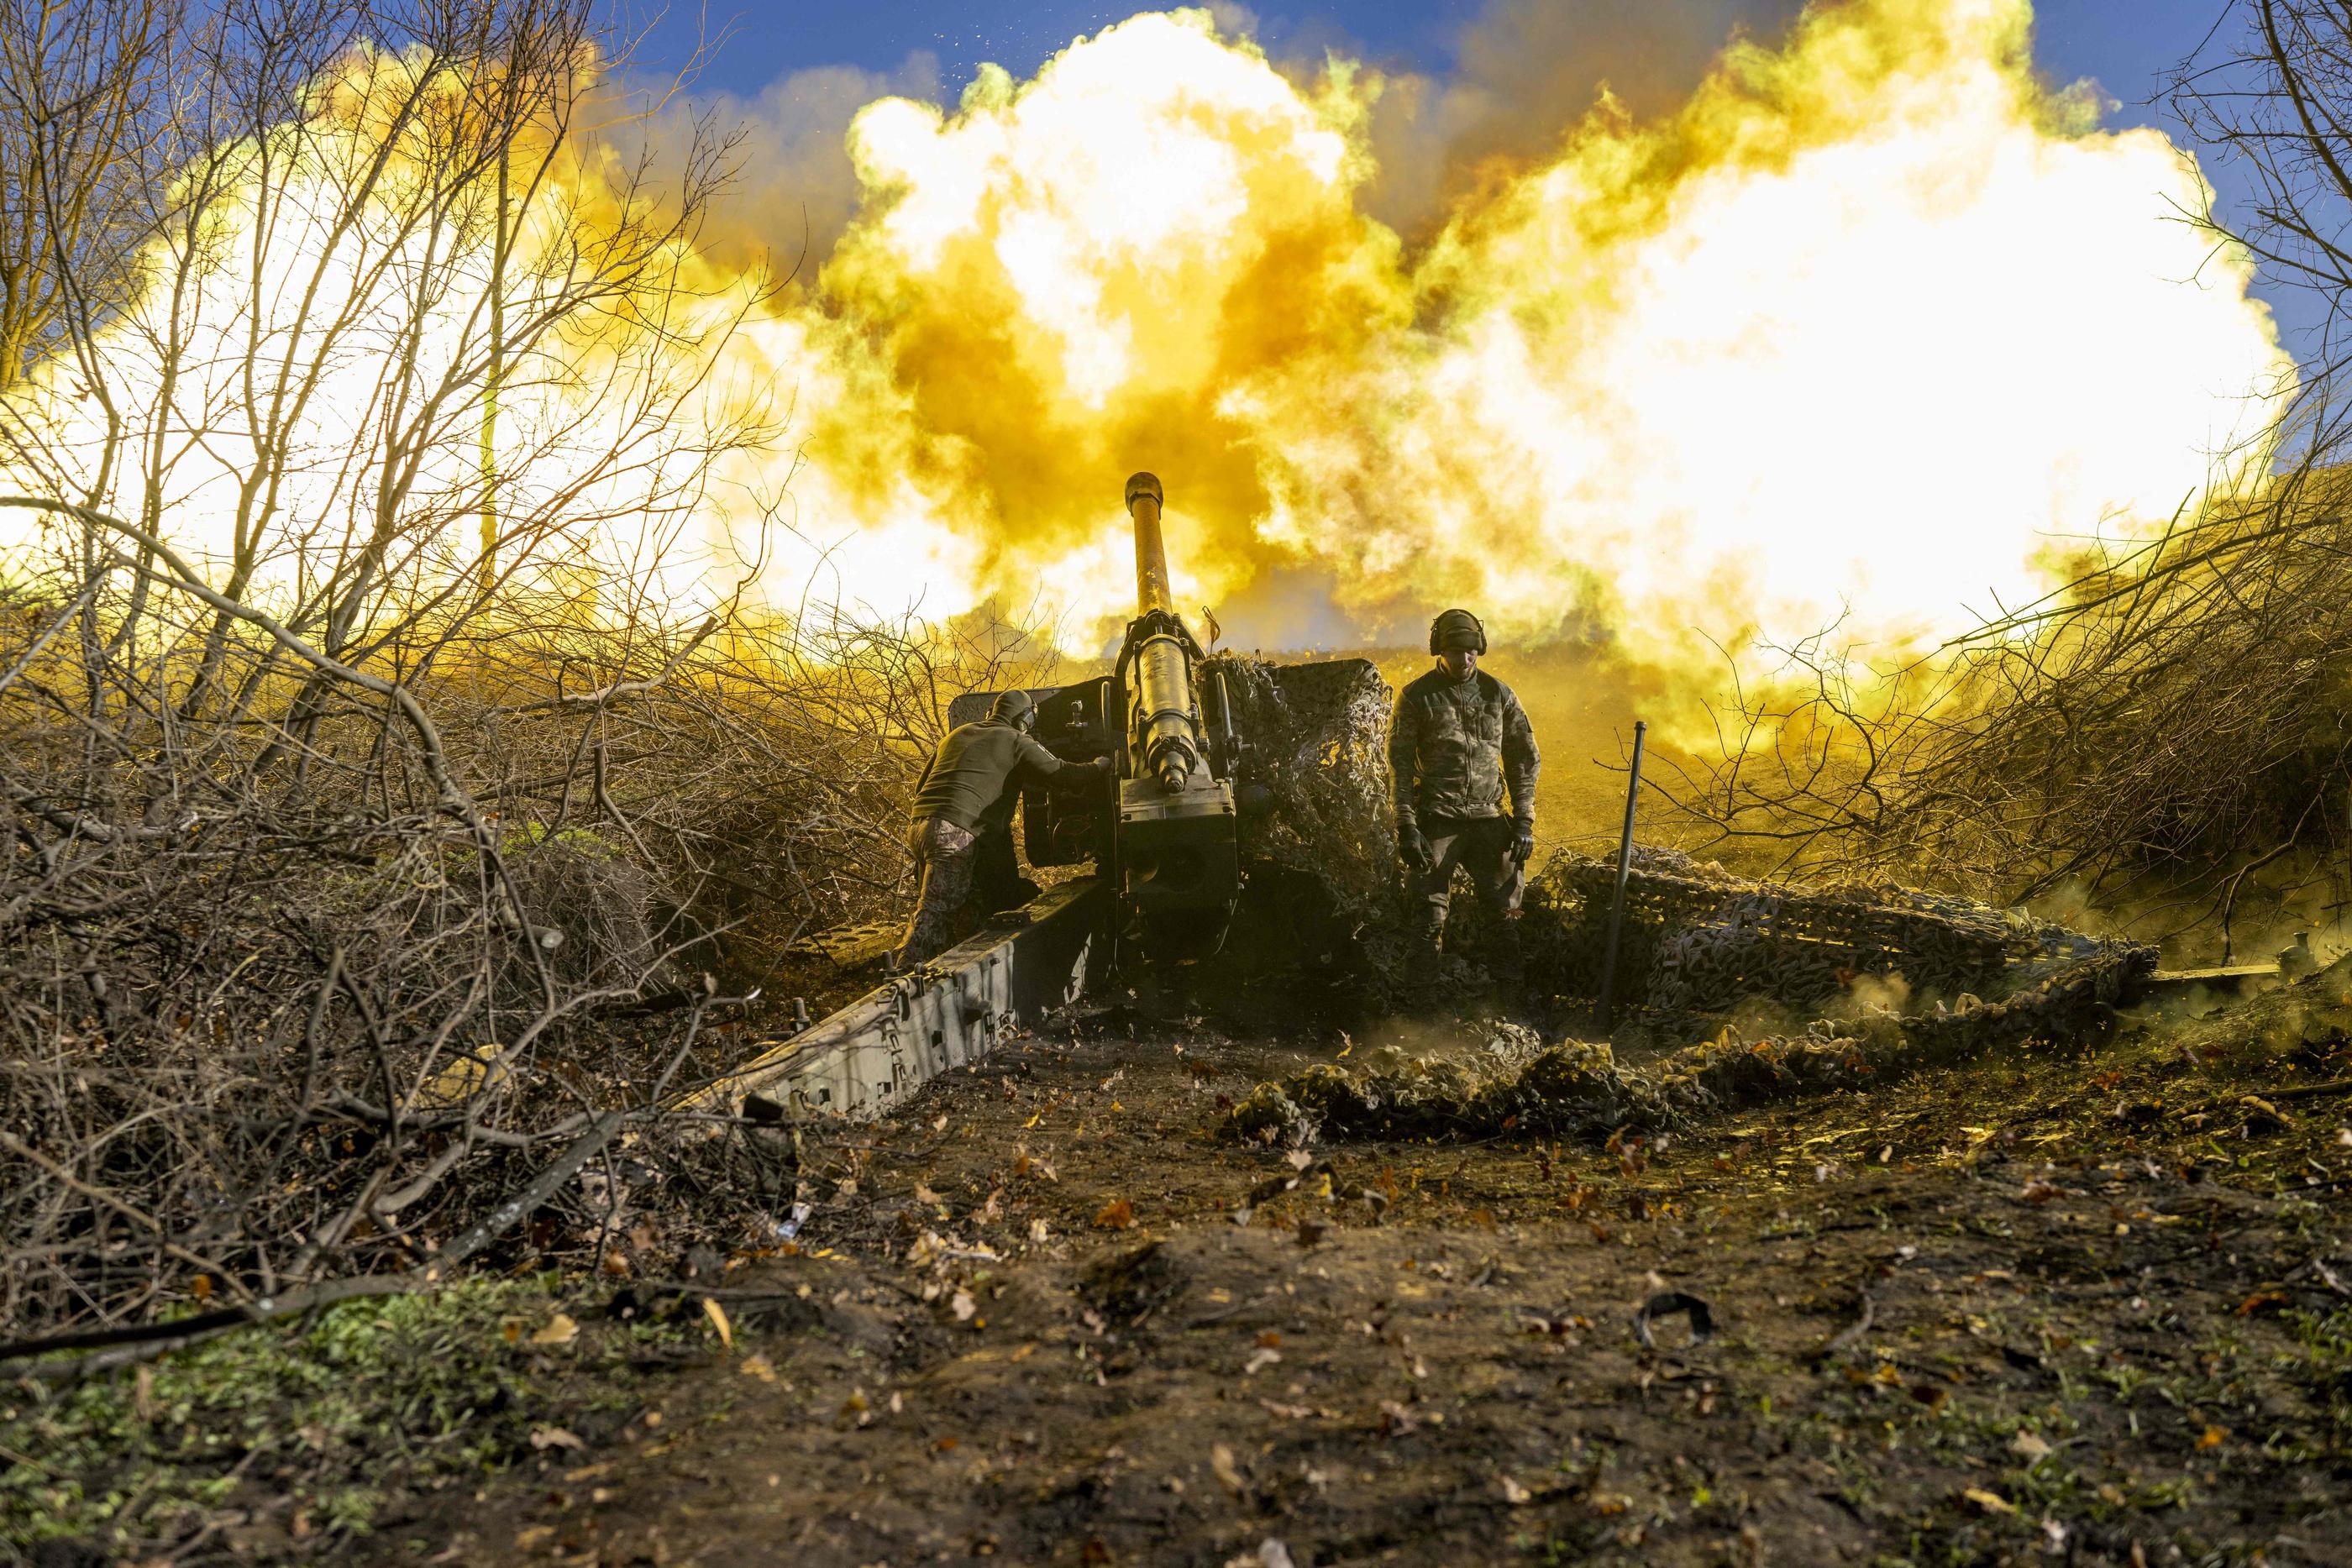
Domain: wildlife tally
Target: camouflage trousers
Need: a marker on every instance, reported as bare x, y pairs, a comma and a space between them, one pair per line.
944, 854
1480, 846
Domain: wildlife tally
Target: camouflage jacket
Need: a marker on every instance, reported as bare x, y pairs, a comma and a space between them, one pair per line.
970, 773
1454, 745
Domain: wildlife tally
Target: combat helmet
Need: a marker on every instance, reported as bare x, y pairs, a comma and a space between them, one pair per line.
1457, 629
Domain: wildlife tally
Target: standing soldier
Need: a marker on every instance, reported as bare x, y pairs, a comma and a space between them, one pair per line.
974, 767
1458, 741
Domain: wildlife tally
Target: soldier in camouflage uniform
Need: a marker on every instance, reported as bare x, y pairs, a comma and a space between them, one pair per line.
1458, 742
975, 767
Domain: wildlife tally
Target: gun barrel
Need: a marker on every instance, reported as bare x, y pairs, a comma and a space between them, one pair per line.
1152, 590
1175, 841
1166, 723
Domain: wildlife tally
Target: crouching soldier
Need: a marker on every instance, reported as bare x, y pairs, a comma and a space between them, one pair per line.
975, 767
1459, 742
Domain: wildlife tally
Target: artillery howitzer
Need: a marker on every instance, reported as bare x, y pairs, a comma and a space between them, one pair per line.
1234, 778
1254, 795
1168, 837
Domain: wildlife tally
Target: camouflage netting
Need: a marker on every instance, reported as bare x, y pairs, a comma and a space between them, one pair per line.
1319, 846
1316, 739
1705, 936
1698, 939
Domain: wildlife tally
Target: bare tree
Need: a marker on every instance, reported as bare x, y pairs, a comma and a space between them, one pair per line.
2268, 97
2147, 736
336, 829
86, 129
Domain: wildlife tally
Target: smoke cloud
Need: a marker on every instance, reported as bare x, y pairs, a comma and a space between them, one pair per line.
1855, 319
1524, 73
1842, 314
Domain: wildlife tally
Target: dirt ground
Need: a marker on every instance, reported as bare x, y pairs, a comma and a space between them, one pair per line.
2089, 1307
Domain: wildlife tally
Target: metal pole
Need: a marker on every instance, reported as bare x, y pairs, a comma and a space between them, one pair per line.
1624, 869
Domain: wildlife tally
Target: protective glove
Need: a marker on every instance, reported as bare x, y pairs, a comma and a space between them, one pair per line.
1415, 849
1523, 841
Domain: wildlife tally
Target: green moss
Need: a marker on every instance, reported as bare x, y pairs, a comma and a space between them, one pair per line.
328, 1415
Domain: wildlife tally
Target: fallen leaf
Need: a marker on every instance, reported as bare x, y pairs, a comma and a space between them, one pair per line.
1300, 1159
560, 1330
545, 1437
1221, 1463
924, 1195
1990, 1501
1514, 1493
2212, 1437
760, 1367
1116, 1215
2029, 1448
717, 1316
964, 1306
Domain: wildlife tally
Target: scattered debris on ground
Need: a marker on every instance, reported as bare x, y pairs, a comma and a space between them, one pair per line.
2090, 1306
2019, 1273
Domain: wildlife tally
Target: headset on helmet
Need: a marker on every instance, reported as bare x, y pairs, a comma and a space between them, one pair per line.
1438, 627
